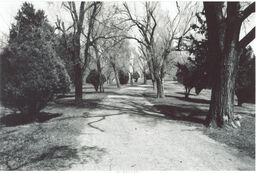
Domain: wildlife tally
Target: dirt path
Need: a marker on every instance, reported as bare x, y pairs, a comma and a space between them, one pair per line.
128, 135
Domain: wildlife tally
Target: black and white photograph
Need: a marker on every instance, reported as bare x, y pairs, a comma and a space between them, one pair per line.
127, 85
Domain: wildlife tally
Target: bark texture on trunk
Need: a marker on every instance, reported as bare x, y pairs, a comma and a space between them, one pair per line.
154, 84
78, 84
150, 66
78, 72
101, 82
153, 81
213, 61
76, 58
160, 88
116, 75
144, 77
223, 60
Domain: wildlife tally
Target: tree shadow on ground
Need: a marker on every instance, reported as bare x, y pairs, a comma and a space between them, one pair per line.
183, 93
126, 105
149, 95
94, 92
86, 103
153, 114
190, 114
21, 119
72, 94
126, 94
54, 158
193, 100
104, 93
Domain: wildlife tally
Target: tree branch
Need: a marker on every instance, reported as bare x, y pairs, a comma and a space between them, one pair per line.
248, 11
136, 22
73, 7
247, 39
154, 27
134, 38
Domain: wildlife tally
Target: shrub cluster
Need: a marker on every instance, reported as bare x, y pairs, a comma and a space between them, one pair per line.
245, 81
96, 79
123, 77
136, 76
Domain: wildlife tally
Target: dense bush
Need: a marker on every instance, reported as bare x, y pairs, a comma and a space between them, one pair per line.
63, 46
95, 79
195, 70
245, 82
123, 77
136, 76
31, 73
186, 76
191, 76
148, 76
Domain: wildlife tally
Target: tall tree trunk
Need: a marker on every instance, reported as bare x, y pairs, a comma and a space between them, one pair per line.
153, 81
150, 66
78, 84
77, 47
153, 84
213, 62
116, 75
78, 72
144, 77
224, 49
131, 81
228, 72
75, 52
99, 71
160, 88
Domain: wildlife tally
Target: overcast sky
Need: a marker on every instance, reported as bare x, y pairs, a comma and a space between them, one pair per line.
8, 9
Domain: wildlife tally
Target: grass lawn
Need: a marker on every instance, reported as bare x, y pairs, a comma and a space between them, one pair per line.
194, 110
49, 144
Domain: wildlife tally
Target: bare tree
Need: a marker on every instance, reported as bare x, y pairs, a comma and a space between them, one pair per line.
119, 56
78, 18
106, 33
145, 60
142, 63
224, 53
158, 45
